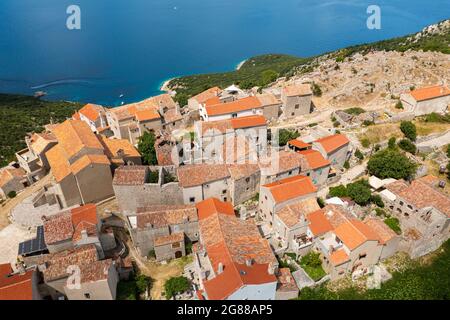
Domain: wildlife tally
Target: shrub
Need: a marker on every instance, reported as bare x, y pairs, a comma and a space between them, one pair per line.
367, 123
347, 165
153, 177
146, 147
407, 145
338, 191
436, 117
359, 154
151, 254
380, 212
391, 143
354, 111
142, 283
365, 142
316, 90
320, 202
12, 194
409, 130
390, 163
376, 199
311, 259
285, 135
399, 105
448, 151
176, 285
359, 192
394, 224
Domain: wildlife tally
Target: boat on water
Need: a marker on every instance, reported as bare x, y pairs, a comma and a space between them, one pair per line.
121, 95
39, 94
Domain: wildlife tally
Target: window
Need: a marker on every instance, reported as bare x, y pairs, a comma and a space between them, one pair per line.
206, 186
234, 115
224, 191
293, 113
176, 245
401, 203
265, 197
247, 180
192, 199
297, 106
290, 172
362, 255
87, 295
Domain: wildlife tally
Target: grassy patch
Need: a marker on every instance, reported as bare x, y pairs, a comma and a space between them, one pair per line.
394, 224
312, 265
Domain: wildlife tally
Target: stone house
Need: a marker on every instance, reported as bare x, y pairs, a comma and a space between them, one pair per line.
79, 165
32, 159
142, 186
215, 110
334, 148
163, 229
120, 152
271, 106
244, 182
202, 181
296, 100
427, 100
12, 179
94, 115
97, 278
72, 229
422, 210
21, 285
283, 164
286, 288
387, 238
232, 260
275, 196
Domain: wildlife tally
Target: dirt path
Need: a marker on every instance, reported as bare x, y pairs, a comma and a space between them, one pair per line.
10, 204
158, 272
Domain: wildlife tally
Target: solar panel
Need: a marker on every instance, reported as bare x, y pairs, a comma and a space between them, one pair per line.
34, 245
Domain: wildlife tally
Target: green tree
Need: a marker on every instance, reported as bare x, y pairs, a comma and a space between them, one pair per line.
365, 142
146, 147
407, 145
391, 143
12, 194
285, 135
376, 198
347, 165
267, 77
359, 154
338, 191
316, 90
176, 285
409, 130
360, 192
448, 151
142, 283
182, 99
390, 163
399, 105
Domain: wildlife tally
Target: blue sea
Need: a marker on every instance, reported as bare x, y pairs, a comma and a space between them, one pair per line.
130, 47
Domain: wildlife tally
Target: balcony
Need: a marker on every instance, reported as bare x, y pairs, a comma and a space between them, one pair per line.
301, 241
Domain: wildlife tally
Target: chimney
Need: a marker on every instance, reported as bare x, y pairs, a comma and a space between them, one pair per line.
120, 153
161, 108
84, 234
220, 268
249, 262
330, 249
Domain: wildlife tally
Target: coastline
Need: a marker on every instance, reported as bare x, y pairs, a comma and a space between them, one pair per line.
239, 66
165, 85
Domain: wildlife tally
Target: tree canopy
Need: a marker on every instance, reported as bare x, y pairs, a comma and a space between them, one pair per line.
285, 135
409, 130
390, 163
176, 285
146, 147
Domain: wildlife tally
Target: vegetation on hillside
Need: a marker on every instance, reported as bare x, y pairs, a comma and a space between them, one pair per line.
390, 163
20, 115
256, 71
146, 147
429, 281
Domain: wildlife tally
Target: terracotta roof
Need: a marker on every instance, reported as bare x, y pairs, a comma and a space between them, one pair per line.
333, 142
291, 188
318, 223
130, 175
147, 115
8, 174
286, 281
76, 116
297, 90
73, 136
212, 101
57, 263
168, 239
207, 94
92, 111
163, 216
354, 233
69, 225
58, 163
243, 104
248, 122
232, 242
89, 160
172, 115
421, 194
295, 212
282, 161
39, 141
381, 229
339, 257
112, 147
315, 159
15, 286
239, 171
336, 215
153, 104
268, 99
299, 144
198, 174
430, 93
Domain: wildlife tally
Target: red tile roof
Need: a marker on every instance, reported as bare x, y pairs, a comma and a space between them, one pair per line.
430, 93
91, 111
243, 104
354, 233
294, 90
299, 144
315, 159
291, 188
198, 174
207, 94
382, 230
231, 242
16, 286
248, 122
339, 257
333, 142
318, 223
